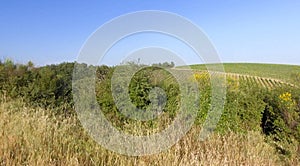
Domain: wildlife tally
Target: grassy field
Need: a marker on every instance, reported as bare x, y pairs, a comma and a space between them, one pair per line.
35, 137
276, 71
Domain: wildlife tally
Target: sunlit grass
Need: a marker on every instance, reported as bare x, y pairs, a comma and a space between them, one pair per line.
36, 137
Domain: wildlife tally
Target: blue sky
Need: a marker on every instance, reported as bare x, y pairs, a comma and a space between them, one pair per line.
54, 31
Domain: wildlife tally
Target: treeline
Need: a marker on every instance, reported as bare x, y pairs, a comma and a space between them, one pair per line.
47, 87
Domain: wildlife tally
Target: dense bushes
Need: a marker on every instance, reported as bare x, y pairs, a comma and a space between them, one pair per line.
249, 107
48, 86
275, 113
139, 92
281, 119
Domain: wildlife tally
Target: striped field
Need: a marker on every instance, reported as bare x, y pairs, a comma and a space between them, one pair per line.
266, 82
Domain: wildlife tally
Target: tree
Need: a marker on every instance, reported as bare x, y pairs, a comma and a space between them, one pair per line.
30, 65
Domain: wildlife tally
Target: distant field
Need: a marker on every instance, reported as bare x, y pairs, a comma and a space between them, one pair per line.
275, 71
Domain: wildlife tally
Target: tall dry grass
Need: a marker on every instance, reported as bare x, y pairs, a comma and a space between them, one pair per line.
36, 137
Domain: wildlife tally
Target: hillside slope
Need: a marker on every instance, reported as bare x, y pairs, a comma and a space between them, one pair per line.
288, 73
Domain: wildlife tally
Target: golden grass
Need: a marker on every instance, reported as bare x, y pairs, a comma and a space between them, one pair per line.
36, 137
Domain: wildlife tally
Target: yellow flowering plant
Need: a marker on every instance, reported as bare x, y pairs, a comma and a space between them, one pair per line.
286, 97
202, 78
287, 100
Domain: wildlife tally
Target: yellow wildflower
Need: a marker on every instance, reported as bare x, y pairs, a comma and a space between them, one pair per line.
287, 97
201, 76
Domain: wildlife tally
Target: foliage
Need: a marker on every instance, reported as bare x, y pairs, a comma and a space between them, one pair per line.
140, 90
281, 119
249, 107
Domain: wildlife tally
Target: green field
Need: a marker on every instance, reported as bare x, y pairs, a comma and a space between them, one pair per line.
276, 71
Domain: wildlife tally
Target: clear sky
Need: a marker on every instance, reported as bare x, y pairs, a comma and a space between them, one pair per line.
53, 31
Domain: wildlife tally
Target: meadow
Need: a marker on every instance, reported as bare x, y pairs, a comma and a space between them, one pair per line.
259, 126
288, 73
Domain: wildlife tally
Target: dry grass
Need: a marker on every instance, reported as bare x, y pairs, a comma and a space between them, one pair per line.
35, 137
